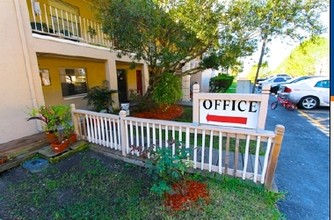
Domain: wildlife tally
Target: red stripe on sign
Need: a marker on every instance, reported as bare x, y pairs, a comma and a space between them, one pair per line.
226, 119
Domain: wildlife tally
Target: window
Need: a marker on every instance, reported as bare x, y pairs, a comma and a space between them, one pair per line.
73, 81
322, 84
279, 80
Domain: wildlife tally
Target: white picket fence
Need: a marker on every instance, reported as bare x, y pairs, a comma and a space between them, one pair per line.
244, 153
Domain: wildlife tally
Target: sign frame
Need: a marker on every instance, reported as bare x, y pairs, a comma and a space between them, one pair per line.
224, 103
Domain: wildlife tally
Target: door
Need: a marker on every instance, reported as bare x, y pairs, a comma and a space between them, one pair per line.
122, 86
139, 82
322, 87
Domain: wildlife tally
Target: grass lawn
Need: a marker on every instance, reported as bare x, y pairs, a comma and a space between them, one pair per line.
89, 185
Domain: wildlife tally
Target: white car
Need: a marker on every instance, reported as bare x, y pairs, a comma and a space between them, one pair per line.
272, 81
309, 93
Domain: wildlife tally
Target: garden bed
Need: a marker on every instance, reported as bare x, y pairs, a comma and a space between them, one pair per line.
91, 185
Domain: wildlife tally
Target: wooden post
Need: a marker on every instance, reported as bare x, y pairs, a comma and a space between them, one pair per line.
195, 104
264, 107
279, 131
122, 115
75, 122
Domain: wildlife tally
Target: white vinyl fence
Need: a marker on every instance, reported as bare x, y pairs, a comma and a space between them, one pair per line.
244, 153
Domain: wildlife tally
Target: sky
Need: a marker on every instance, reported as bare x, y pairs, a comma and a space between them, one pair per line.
279, 50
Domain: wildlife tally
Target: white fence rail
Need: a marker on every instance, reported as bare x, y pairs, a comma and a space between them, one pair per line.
244, 153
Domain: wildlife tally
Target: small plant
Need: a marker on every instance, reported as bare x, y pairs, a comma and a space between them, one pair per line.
100, 97
57, 119
166, 167
134, 94
91, 31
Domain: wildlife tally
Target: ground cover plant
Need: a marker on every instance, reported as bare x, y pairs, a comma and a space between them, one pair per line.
89, 185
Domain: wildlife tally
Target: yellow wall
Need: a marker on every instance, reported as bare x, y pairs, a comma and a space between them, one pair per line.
95, 74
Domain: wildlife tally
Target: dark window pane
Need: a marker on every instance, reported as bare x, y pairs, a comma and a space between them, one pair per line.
73, 81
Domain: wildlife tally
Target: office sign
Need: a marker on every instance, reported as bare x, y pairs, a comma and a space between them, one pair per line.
229, 112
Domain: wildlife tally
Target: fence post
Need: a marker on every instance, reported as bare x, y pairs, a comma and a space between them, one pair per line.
279, 131
122, 115
264, 106
75, 122
195, 104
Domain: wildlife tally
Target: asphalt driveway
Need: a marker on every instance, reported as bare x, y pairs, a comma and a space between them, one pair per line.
303, 166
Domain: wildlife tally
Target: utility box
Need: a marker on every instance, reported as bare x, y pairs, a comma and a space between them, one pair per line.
244, 86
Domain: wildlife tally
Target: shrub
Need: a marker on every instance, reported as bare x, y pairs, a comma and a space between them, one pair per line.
165, 167
220, 83
100, 97
168, 90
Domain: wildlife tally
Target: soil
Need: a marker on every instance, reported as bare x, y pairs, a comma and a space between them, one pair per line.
186, 194
172, 112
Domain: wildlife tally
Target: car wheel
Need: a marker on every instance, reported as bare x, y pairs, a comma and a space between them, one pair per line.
309, 102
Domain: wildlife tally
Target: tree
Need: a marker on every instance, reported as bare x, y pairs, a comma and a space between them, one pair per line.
264, 73
164, 35
168, 34
305, 58
295, 19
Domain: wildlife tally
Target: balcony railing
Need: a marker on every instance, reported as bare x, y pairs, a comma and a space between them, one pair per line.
48, 20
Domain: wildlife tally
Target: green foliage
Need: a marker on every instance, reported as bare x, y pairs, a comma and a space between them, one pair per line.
296, 20
220, 83
168, 90
56, 118
265, 72
305, 58
168, 167
100, 97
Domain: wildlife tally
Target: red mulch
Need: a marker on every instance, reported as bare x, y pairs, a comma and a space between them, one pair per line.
186, 194
172, 112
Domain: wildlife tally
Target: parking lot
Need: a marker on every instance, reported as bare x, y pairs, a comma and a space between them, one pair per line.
317, 117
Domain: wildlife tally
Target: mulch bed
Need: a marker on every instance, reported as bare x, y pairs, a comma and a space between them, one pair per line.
174, 111
186, 194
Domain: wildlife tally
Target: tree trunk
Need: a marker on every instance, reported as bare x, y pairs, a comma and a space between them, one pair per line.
264, 42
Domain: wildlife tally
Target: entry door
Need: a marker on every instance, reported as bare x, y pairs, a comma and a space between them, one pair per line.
122, 87
139, 82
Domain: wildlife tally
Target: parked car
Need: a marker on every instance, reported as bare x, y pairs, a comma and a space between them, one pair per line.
275, 88
273, 81
308, 93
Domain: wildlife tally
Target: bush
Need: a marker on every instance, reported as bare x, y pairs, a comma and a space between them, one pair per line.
168, 90
100, 97
220, 83
165, 166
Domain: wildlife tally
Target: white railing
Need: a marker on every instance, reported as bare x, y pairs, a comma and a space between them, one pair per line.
49, 20
244, 153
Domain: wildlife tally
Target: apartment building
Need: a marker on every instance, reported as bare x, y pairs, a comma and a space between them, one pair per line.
52, 51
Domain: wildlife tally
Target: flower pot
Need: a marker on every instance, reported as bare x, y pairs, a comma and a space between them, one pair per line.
3, 159
51, 137
60, 147
73, 138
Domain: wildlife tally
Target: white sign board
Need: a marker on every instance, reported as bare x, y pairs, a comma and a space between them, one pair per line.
229, 112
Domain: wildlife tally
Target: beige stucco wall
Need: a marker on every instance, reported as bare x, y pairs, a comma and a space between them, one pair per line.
17, 94
21, 88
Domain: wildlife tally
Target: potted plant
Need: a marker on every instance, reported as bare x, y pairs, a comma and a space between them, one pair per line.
57, 121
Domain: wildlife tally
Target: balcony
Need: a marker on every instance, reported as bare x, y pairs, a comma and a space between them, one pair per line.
48, 20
